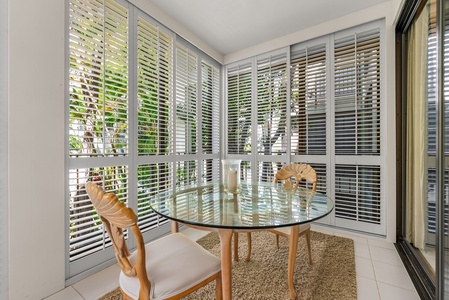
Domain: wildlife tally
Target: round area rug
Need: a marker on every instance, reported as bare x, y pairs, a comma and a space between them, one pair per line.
331, 276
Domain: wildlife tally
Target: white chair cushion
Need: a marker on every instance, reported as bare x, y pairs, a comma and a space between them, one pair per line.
175, 263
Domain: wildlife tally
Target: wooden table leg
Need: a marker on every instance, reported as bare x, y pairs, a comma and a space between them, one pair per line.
174, 227
236, 246
248, 239
226, 262
293, 247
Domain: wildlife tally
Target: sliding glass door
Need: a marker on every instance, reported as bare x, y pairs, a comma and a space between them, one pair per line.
423, 144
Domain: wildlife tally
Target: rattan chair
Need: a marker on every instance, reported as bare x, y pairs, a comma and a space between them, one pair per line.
168, 268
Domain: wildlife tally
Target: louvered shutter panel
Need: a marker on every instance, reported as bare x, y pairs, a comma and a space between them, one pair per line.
271, 110
186, 100
245, 171
239, 109
98, 79
308, 100
357, 193
266, 170
357, 94
87, 234
211, 170
210, 105
272, 104
152, 179
98, 115
186, 173
321, 171
154, 90
210, 122
154, 117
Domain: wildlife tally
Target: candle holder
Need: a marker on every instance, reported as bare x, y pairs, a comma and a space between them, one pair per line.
231, 174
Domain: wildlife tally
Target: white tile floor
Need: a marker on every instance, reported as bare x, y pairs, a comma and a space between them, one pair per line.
380, 273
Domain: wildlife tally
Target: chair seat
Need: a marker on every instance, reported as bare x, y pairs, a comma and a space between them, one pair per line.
170, 261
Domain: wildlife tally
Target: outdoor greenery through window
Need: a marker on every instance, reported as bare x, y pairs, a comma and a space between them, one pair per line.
142, 118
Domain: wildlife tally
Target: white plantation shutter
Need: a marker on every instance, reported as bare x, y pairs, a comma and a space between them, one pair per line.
152, 179
98, 122
271, 110
357, 193
320, 104
98, 79
210, 121
246, 171
321, 172
154, 117
186, 100
267, 170
308, 100
357, 112
122, 115
154, 90
239, 109
87, 234
357, 94
211, 170
272, 104
186, 173
210, 105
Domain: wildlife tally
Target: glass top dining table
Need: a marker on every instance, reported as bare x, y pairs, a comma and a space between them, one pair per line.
253, 207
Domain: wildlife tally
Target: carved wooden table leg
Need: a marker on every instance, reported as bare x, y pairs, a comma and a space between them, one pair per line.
292, 259
226, 262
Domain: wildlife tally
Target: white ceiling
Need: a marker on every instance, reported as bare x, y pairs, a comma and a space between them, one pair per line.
232, 25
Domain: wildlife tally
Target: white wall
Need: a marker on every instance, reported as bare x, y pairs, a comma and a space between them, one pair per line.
3, 149
36, 148
36, 134
385, 10
173, 25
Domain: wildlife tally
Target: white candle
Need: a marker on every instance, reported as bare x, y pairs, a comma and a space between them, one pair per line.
232, 181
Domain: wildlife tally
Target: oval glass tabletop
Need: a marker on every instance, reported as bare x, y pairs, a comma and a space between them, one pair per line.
261, 205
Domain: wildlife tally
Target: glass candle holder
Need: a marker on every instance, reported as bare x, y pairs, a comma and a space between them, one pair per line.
231, 174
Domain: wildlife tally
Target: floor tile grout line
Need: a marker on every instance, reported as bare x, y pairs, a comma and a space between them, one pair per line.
374, 270
78, 292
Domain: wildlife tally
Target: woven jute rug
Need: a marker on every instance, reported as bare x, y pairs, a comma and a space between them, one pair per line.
331, 276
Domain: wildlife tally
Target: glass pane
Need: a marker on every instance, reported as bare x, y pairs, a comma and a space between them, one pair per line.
421, 176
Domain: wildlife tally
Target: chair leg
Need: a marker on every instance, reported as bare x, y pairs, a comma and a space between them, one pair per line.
309, 248
248, 255
218, 288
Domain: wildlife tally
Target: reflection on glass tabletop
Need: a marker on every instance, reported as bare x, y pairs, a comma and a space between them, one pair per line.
255, 205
